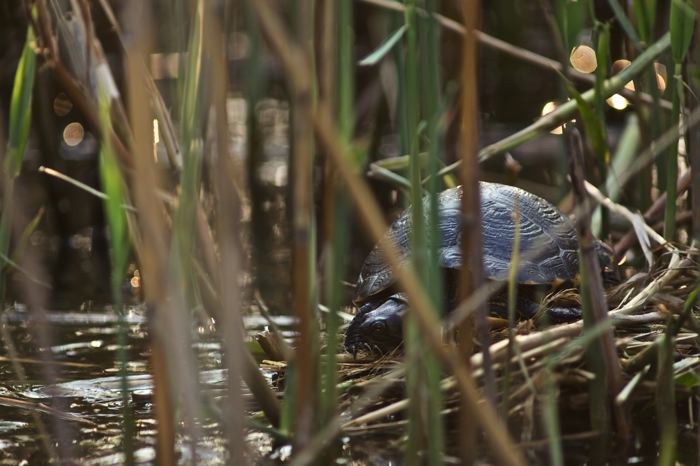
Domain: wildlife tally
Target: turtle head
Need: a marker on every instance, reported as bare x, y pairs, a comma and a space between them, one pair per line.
377, 330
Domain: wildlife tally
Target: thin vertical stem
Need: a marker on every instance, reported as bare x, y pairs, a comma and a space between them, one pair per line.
151, 221
305, 383
415, 377
472, 249
432, 104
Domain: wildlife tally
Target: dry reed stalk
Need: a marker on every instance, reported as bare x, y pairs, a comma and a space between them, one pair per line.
472, 271
296, 67
151, 222
229, 266
303, 243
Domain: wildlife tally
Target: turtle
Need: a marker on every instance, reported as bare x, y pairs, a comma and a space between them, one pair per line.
548, 255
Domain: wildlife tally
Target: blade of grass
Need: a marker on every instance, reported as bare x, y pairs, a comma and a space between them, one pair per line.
226, 177
339, 26
381, 51
306, 377
429, 47
21, 107
181, 273
681, 23
601, 220
416, 374
111, 180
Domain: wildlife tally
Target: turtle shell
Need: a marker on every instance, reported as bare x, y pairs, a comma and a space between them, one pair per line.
548, 243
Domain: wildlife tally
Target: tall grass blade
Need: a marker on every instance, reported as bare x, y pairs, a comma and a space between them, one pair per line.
338, 209
113, 185
21, 107
20, 118
601, 219
429, 40
304, 277
416, 385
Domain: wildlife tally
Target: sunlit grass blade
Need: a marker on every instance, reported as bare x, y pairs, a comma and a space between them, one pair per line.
381, 51
20, 119
681, 24
416, 373
429, 46
338, 207
21, 107
113, 185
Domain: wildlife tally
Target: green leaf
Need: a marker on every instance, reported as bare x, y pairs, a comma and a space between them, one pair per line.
21, 107
112, 184
681, 23
386, 46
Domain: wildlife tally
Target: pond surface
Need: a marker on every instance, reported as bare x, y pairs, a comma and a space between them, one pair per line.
84, 404
88, 390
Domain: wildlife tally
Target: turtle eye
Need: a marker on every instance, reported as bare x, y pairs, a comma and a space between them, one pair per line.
378, 326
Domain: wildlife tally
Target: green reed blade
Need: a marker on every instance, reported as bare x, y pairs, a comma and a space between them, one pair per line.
21, 107
113, 185
429, 47
415, 376
340, 236
20, 121
681, 25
